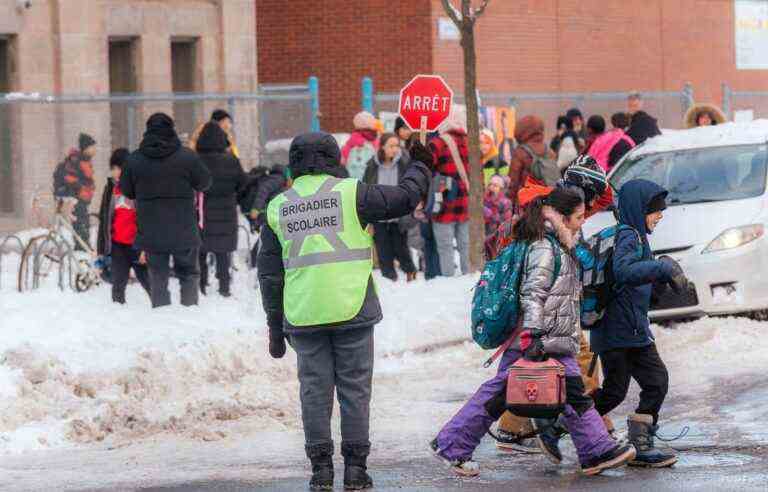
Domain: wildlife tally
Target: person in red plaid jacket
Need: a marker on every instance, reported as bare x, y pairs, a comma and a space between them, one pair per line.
450, 219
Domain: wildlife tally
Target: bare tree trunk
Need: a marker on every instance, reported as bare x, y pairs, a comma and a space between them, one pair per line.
476, 218
465, 19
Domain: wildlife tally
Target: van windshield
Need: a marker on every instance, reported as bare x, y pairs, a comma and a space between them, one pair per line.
700, 175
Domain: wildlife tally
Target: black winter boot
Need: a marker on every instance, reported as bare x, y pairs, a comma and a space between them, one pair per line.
321, 456
355, 470
224, 288
641, 432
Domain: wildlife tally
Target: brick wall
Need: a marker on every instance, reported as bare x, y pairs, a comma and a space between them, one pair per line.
523, 46
341, 42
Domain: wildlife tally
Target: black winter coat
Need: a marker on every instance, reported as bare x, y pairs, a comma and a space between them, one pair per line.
163, 177
220, 200
318, 153
104, 241
262, 191
642, 127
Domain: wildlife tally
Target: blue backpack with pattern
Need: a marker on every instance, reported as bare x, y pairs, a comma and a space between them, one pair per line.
496, 302
596, 259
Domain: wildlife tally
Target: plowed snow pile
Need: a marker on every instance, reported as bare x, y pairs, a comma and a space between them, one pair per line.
76, 368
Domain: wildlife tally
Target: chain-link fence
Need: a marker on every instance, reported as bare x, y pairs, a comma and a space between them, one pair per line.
668, 107
744, 105
37, 131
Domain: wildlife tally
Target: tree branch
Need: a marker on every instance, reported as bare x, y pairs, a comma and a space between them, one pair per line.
479, 11
453, 14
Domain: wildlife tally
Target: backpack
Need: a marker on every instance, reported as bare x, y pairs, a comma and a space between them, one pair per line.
496, 301
598, 282
60, 187
543, 168
358, 160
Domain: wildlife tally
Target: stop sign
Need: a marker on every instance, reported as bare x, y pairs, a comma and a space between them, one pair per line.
425, 98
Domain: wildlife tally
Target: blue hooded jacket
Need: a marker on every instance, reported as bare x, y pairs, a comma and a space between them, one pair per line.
625, 322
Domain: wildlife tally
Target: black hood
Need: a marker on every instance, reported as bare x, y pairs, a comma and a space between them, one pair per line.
314, 153
160, 139
212, 139
642, 127
634, 198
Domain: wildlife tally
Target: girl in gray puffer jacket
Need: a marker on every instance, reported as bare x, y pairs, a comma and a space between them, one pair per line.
551, 327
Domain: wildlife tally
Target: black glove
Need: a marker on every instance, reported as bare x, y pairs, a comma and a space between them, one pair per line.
535, 349
276, 344
677, 279
420, 153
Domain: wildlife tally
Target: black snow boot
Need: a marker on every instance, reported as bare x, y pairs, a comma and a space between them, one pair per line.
321, 456
224, 288
355, 470
641, 432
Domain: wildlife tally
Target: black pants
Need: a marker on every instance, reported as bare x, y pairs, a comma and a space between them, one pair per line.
124, 257
223, 264
642, 364
82, 224
185, 266
431, 258
392, 244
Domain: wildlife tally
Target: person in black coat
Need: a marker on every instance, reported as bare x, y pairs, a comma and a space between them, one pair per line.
163, 178
642, 127
336, 356
219, 205
262, 187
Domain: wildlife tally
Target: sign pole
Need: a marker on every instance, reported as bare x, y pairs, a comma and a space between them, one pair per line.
423, 131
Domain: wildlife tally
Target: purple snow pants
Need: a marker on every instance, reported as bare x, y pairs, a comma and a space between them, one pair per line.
462, 434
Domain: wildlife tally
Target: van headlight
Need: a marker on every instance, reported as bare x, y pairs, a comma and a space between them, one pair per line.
733, 238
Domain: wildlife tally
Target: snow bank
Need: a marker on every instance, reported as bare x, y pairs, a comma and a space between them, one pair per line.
753, 132
76, 368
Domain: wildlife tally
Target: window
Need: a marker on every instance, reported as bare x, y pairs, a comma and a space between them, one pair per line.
9, 181
122, 80
184, 80
712, 174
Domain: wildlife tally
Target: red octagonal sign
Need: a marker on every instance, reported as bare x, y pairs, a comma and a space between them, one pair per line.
427, 99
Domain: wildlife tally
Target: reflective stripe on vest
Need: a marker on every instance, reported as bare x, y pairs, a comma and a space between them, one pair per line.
319, 213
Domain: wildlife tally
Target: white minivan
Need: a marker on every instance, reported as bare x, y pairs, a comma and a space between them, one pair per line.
716, 217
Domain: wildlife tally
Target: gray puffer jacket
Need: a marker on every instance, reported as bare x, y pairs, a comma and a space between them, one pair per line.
552, 308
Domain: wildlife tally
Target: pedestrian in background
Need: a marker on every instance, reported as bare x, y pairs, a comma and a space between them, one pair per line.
73, 179
163, 178
451, 224
224, 120
117, 233
611, 146
497, 207
493, 164
703, 114
387, 168
570, 145
562, 125
220, 219
362, 144
577, 118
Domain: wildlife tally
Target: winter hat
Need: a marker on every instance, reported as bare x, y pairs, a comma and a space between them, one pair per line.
596, 123
85, 141
212, 139
118, 157
586, 174
400, 123
364, 121
162, 125
657, 204
220, 114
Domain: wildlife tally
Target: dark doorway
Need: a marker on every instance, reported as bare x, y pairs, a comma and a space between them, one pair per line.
184, 80
122, 80
9, 182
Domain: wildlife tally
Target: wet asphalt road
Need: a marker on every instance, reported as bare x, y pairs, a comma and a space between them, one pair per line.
713, 470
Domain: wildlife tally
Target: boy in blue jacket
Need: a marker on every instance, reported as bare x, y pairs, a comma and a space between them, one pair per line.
623, 337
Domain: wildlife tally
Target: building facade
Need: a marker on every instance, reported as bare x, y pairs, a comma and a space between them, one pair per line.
73, 48
538, 46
